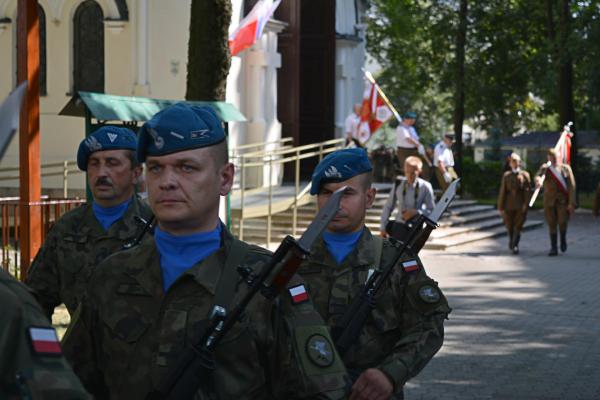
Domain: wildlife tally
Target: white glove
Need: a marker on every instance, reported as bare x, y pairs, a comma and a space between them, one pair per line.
447, 177
421, 149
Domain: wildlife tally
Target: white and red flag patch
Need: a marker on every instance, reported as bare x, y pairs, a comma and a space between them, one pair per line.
298, 293
44, 341
410, 265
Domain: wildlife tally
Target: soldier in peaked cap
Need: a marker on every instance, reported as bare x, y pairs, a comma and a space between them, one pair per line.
513, 200
86, 235
405, 329
559, 198
32, 365
145, 305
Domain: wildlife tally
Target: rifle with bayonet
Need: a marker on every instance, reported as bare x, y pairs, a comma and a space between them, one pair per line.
346, 333
193, 369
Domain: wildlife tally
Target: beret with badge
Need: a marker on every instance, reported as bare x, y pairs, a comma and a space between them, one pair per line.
177, 128
340, 166
105, 138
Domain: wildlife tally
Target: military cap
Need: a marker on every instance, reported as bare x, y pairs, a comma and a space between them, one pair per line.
340, 166
515, 156
449, 135
105, 138
177, 128
410, 115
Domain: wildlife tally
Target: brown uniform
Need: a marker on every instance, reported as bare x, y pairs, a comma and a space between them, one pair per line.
556, 202
512, 200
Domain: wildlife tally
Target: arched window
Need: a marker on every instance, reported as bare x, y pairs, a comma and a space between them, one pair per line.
42, 19
88, 47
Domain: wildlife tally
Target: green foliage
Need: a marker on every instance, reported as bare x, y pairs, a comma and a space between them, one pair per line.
510, 61
481, 180
588, 174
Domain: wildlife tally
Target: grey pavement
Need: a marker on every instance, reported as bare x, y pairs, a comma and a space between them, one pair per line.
523, 326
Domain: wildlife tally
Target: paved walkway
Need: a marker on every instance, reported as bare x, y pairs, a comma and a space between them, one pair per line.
522, 327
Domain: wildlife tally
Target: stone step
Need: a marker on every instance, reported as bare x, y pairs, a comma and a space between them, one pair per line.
469, 209
448, 231
457, 240
453, 220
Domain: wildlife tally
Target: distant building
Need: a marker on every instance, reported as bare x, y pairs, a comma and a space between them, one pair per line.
532, 146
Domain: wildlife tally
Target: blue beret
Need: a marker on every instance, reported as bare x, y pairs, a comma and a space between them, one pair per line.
410, 115
340, 166
177, 128
105, 138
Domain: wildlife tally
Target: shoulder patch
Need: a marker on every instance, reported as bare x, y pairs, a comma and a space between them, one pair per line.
429, 294
410, 265
320, 351
44, 341
298, 294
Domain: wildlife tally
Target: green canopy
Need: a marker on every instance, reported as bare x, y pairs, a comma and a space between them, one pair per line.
108, 107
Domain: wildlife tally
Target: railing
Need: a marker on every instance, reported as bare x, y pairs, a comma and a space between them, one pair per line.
51, 169
51, 210
280, 157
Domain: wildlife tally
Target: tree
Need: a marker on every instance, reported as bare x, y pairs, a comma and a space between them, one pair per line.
208, 51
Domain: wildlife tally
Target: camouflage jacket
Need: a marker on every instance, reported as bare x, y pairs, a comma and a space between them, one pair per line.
128, 333
74, 245
44, 373
515, 190
405, 329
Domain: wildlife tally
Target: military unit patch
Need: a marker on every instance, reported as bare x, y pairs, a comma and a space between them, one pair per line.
320, 351
298, 294
410, 265
429, 294
44, 341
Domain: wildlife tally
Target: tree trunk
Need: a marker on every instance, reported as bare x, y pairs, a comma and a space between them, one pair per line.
459, 94
566, 110
208, 50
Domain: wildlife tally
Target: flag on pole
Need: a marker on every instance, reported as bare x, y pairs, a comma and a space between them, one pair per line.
563, 147
374, 109
251, 27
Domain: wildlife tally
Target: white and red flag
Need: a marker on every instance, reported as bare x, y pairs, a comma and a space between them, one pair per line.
251, 27
44, 340
563, 147
374, 109
298, 294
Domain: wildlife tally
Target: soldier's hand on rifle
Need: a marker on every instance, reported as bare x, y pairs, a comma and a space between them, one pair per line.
372, 385
383, 234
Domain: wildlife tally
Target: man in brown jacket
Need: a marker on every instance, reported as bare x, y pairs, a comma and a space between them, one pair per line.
559, 198
513, 199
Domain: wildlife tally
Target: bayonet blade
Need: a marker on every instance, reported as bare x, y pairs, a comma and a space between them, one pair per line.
9, 116
444, 202
324, 216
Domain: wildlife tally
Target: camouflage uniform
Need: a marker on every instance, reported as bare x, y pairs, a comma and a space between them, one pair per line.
404, 331
76, 243
128, 333
44, 375
513, 200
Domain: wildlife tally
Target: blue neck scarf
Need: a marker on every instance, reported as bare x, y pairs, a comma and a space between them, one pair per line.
109, 215
180, 253
341, 244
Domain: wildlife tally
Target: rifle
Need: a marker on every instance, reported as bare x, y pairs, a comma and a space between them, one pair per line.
193, 369
348, 330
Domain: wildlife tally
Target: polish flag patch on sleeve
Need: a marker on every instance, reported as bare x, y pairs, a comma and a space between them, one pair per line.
410, 265
299, 294
44, 341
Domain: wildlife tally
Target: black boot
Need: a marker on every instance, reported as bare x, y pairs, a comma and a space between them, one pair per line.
510, 241
563, 241
515, 245
553, 249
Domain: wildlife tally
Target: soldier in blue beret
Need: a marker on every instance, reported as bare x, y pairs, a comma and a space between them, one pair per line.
85, 236
146, 305
405, 329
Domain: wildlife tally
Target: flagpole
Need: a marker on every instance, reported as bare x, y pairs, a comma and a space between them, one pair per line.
563, 136
370, 78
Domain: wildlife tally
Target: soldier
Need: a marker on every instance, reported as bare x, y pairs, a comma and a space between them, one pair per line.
559, 198
31, 365
405, 329
83, 237
146, 305
513, 201
443, 159
412, 196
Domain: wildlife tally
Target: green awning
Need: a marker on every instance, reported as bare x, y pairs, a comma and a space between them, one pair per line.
108, 107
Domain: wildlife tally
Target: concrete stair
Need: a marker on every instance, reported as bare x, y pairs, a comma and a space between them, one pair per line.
464, 222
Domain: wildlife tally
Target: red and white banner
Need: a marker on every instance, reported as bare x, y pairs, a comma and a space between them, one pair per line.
374, 110
563, 147
251, 27
559, 179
